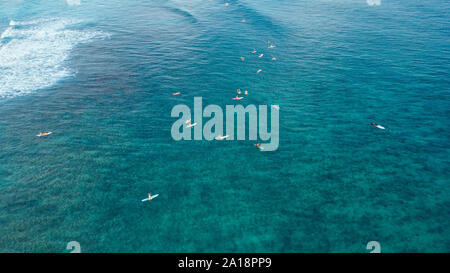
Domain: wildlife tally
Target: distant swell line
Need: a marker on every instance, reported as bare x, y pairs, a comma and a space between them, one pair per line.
263, 20
182, 13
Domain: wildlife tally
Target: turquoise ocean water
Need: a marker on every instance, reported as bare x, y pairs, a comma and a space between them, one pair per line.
100, 76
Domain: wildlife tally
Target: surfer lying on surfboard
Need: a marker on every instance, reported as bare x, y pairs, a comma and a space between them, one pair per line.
44, 134
238, 98
150, 197
219, 137
377, 125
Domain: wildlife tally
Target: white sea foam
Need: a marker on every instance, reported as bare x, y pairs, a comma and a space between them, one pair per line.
33, 54
31, 22
73, 2
373, 2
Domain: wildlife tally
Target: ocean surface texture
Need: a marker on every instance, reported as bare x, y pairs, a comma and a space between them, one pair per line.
100, 76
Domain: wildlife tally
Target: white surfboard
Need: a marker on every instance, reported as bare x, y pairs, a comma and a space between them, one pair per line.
152, 197
49, 133
191, 125
380, 127
221, 137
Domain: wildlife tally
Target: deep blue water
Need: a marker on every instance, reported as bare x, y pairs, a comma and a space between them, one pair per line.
100, 76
